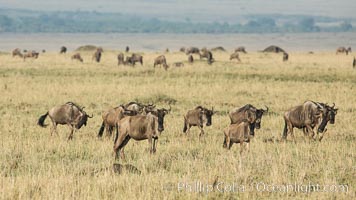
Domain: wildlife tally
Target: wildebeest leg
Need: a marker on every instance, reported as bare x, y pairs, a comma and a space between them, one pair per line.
247, 146
310, 130
241, 146
71, 131
322, 135
201, 131
122, 147
228, 142
225, 144
120, 144
154, 144
151, 144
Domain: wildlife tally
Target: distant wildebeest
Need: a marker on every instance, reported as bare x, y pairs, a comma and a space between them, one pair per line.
197, 117
206, 54
97, 54
250, 113
182, 49
237, 133
191, 50
120, 59
127, 49
139, 127
63, 50
31, 54
235, 56
161, 60
111, 117
190, 59
343, 50
77, 56
17, 52
308, 116
285, 56
178, 64
354, 63
273, 49
218, 49
131, 60
70, 114
240, 49
167, 50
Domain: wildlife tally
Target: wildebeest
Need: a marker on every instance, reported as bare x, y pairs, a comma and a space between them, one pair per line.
250, 113
17, 52
240, 49
218, 49
235, 56
70, 114
237, 133
178, 64
63, 50
273, 49
97, 54
206, 54
308, 116
161, 60
111, 117
31, 54
127, 49
197, 117
343, 50
182, 49
120, 59
285, 56
139, 127
191, 50
167, 50
133, 59
77, 56
354, 63
190, 59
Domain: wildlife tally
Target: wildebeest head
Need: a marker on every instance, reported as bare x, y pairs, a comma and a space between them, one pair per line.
160, 113
208, 115
259, 114
83, 118
329, 113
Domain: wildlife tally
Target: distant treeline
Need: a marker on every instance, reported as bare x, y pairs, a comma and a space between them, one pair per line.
24, 21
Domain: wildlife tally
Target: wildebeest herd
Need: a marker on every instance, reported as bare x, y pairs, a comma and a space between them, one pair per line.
145, 121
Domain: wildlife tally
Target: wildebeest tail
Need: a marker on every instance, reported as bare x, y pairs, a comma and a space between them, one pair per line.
117, 133
101, 130
284, 136
42, 119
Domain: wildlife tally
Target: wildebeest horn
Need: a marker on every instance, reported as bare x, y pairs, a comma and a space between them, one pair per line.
90, 116
169, 110
266, 108
333, 105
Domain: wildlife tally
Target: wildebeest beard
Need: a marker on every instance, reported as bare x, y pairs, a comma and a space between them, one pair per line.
83, 121
252, 129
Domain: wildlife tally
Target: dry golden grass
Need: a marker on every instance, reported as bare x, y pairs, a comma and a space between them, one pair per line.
36, 165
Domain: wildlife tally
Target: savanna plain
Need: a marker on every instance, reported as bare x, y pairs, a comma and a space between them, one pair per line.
36, 165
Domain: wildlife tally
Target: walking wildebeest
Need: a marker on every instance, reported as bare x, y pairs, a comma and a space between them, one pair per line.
343, 50
178, 64
69, 114
308, 116
111, 117
139, 127
120, 59
97, 54
161, 60
31, 54
191, 50
240, 49
197, 117
285, 56
235, 56
354, 63
206, 54
17, 52
63, 50
238, 133
77, 56
190, 59
133, 59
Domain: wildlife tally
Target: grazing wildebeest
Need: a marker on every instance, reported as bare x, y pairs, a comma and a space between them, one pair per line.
240, 49
190, 59
63, 50
250, 113
161, 60
17, 52
206, 54
218, 49
235, 56
182, 49
354, 63
307, 116
343, 50
273, 49
97, 54
139, 127
285, 56
77, 56
111, 117
133, 59
70, 114
191, 50
178, 64
197, 117
238, 133
120, 59
127, 49
31, 54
